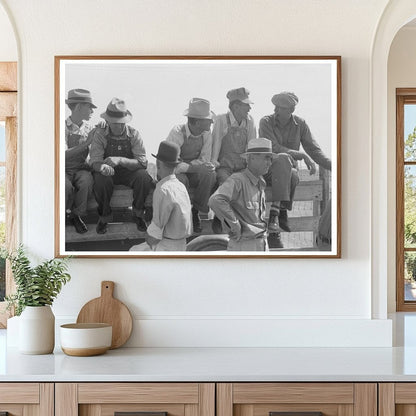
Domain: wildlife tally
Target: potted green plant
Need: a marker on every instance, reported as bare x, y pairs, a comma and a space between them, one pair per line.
36, 289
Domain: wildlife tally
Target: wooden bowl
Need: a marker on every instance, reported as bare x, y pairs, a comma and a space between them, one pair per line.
84, 340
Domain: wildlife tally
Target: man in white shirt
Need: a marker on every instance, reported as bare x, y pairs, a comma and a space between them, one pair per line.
196, 170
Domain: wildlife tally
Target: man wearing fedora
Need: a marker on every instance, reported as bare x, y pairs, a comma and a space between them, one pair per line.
230, 134
172, 217
196, 170
288, 133
240, 202
118, 157
78, 177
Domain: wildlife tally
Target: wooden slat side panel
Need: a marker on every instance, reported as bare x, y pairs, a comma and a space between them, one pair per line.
340, 393
386, 399
8, 105
191, 410
24, 393
66, 399
224, 399
365, 399
138, 393
346, 410
47, 399
207, 399
8, 76
405, 393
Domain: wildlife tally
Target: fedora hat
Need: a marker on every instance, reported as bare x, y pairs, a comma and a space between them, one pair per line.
239, 94
78, 95
117, 112
168, 153
259, 146
199, 108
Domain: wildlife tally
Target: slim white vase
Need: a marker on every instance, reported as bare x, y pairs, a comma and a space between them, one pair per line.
37, 330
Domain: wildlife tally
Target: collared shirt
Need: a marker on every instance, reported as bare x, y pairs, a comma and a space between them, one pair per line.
74, 134
176, 135
220, 129
289, 137
172, 215
99, 144
241, 199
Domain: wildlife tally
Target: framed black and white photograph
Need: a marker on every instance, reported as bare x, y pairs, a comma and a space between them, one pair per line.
202, 156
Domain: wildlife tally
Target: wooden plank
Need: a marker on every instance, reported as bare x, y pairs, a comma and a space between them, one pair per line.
110, 409
207, 399
365, 403
224, 399
8, 105
386, 399
19, 393
263, 410
405, 393
8, 76
138, 393
66, 399
47, 402
293, 393
190, 410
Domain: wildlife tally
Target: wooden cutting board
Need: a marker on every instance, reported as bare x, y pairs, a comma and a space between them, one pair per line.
108, 310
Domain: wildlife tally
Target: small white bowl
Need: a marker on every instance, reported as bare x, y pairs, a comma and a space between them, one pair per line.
83, 340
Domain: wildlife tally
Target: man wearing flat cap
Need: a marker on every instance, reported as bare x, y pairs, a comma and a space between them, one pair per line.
172, 217
230, 134
288, 133
78, 177
240, 202
118, 157
196, 170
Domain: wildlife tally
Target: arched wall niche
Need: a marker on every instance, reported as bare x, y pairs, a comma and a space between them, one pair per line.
397, 14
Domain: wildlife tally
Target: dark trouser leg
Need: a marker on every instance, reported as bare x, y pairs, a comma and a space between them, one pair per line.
142, 184
284, 179
103, 191
69, 192
202, 184
223, 174
83, 184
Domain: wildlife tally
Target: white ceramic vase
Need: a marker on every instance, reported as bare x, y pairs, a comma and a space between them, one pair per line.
37, 330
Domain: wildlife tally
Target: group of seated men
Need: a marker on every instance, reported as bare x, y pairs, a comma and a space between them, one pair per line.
220, 166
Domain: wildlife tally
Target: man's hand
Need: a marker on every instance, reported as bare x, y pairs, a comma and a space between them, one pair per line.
106, 170
309, 164
205, 167
113, 161
151, 241
215, 163
235, 230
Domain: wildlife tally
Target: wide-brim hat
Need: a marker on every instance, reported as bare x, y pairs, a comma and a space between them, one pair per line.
285, 99
239, 94
79, 96
259, 146
117, 112
168, 153
199, 108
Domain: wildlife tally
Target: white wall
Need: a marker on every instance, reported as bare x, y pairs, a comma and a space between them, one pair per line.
202, 302
401, 74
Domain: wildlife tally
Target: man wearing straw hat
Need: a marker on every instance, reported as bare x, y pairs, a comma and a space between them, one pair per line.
288, 133
196, 170
172, 217
118, 157
240, 202
78, 177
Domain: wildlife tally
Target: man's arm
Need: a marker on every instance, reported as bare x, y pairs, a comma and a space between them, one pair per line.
162, 209
217, 135
312, 148
266, 131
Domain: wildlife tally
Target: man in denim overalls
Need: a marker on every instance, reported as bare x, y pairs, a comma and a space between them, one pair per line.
196, 170
118, 157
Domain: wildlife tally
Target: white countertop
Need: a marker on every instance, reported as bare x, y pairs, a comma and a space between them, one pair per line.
222, 364
215, 364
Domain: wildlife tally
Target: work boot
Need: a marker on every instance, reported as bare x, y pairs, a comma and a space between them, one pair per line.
274, 240
283, 220
79, 225
148, 214
101, 227
140, 223
273, 226
196, 221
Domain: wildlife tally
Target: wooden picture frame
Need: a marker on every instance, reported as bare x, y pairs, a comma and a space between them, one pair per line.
156, 91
